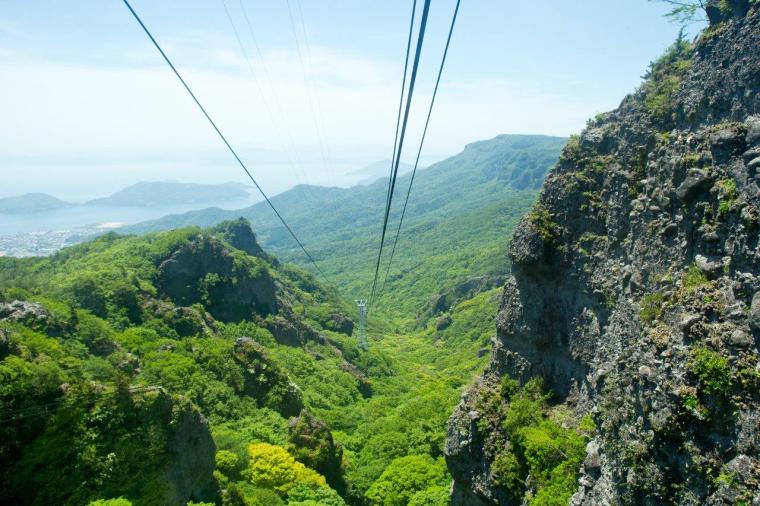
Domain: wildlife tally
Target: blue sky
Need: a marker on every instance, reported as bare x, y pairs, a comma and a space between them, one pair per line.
89, 106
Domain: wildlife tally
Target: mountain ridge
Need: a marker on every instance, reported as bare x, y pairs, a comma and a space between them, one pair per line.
141, 194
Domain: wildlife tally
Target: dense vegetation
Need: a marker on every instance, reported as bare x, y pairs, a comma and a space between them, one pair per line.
108, 367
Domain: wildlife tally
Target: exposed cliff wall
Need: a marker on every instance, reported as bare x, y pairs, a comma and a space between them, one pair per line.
634, 292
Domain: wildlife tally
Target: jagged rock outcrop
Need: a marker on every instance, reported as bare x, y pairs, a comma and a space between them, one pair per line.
340, 323
22, 312
5, 344
264, 380
312, 443
635, 291
32, 315
240, 235
163, 436
231, 285
191, 450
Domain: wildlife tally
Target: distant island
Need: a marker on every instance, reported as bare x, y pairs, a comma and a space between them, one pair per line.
31, 203
144, 194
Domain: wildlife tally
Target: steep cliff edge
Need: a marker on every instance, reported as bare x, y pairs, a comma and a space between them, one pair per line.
635, 297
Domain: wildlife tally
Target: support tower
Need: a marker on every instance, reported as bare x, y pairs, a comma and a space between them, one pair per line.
362, 337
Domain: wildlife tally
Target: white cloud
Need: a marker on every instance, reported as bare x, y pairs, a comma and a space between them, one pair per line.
106, 115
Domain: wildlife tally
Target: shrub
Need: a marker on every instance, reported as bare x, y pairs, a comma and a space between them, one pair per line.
406, 476
228, 463
651, 307
303, 495
693, 278
541, 448
246, 494
526, 407
120, 501
663, 80
507, 472
433, 496
541, 218
713, 371
726, 195
272, 467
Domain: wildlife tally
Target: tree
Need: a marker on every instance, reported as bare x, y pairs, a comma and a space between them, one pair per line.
406, 476
685, 12
111, 502
274, 468
302, 495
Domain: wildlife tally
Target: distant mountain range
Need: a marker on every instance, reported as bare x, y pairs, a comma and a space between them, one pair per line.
461, 212
144, 194
156, 194
378, 170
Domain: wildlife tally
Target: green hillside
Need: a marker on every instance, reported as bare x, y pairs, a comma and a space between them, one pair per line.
114, 353
460, 213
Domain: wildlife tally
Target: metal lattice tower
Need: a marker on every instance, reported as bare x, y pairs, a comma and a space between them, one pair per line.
362, 338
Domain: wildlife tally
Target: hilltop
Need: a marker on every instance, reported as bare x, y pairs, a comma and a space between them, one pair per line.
152, 336
31, 203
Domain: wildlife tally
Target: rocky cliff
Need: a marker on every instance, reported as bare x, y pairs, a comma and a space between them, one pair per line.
635, 297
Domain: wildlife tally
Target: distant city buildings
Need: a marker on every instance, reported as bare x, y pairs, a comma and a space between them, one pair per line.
38, 244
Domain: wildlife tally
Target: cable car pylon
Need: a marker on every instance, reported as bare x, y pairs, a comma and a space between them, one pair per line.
362, 336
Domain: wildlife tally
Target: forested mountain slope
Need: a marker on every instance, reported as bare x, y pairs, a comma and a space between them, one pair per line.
197, 362
625, 370
456, 214
136, 366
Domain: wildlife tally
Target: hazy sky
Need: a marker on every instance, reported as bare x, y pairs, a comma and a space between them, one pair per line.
88, 106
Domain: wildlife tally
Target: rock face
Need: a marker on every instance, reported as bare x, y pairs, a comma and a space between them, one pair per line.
5, 344
21, 311
466, 290
635, 291
192, 450
264, 381
32, 315
340, 323
240, 235
232, 286
313, 444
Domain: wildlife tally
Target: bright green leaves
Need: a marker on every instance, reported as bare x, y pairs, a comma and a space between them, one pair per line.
407, 476
272, 467
713, 371
545, 448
